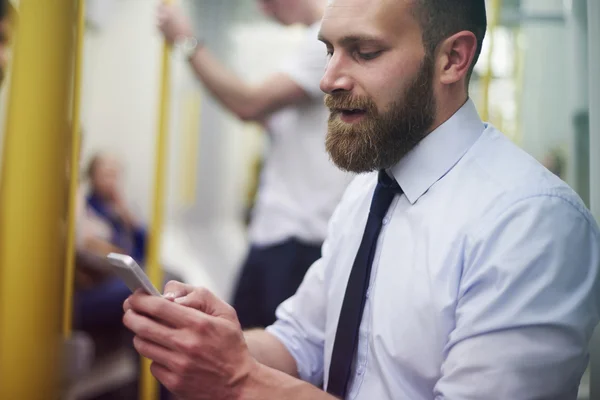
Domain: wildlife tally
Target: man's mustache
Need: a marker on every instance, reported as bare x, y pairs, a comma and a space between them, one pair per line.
346, 101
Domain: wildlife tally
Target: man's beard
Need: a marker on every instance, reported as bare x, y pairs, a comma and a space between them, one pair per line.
380, 140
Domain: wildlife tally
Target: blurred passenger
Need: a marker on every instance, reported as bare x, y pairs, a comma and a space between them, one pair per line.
110, 223
105, 225
554, 162
299, 186
6, 14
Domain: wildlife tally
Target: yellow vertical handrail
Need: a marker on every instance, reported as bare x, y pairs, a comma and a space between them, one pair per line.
148, 385
189, 159
487, 78
518, 79
33, 201
74, 185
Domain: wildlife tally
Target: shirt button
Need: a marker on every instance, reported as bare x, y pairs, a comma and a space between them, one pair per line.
386, 221
360, 371
368, 294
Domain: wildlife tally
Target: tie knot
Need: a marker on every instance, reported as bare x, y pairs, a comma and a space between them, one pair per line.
386, 189
388, 182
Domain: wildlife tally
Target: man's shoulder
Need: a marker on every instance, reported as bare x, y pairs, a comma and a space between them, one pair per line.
498, 175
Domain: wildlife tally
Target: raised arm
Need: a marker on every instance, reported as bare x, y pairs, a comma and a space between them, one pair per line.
248, 102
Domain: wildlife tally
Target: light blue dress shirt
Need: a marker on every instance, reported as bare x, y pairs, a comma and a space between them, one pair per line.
484, 283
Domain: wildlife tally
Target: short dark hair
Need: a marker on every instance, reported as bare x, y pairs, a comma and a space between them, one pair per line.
440, 19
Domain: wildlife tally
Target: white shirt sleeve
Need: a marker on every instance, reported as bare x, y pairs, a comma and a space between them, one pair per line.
300, 324
527, 305
301, 320
307, 66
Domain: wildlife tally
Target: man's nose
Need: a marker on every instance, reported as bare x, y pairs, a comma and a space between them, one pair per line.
336, 77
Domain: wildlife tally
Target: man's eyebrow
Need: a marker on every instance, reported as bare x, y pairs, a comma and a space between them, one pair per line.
353, 39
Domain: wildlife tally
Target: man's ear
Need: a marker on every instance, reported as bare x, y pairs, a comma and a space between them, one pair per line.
455, 56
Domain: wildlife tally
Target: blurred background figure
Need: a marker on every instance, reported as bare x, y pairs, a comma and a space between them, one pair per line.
104, 225
554, 161
108, 224
299, 186
6, 20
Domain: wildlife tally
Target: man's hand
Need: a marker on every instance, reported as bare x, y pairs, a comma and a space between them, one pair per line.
196, 297
172, 23
197, 353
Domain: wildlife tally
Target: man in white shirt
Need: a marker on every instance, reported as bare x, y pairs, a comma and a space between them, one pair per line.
299, 187
460, 269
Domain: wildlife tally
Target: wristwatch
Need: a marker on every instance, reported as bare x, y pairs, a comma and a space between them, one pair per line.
188, 46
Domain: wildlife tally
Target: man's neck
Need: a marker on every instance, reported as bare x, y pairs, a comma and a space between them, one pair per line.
447, 106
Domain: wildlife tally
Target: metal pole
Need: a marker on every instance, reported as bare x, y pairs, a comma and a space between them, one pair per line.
594, 96
33, 201
594, 93
487, 77
74, 184
148, 383
191, 139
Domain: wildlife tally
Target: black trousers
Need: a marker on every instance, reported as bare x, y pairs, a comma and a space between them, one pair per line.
270, 275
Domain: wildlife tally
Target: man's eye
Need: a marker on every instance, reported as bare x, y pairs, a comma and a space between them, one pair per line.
369, 55
329, 53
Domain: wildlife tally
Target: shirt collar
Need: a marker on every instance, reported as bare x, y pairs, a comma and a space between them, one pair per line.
438, 152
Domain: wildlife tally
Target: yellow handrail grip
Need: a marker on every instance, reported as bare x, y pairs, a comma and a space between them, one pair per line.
148, 385
74, 184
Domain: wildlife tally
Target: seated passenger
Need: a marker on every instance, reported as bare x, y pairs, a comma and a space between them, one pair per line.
110, 226
104, 225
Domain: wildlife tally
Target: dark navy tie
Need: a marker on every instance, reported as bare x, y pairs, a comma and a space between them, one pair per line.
346, 337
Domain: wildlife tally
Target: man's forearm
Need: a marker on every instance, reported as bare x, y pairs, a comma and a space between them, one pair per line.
230, 90
268, 350
266, 383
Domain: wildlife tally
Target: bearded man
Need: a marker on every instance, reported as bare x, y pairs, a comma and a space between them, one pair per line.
455, 267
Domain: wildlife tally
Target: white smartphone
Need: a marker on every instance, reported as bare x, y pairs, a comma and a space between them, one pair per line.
131, 273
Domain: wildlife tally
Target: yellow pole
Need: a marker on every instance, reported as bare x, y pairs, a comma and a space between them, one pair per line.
75, 149
191, 140
33, 202
148, 383
487, 78
518, 73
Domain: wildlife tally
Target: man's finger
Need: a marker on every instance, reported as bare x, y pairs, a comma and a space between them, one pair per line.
165, 376
204, 300
148, 329
155, 352
174, 289
126, 305
164, 310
